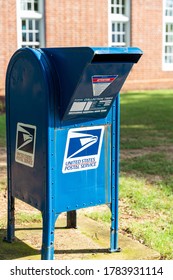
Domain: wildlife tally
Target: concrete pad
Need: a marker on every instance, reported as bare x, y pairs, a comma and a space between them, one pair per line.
89, 241
130, 249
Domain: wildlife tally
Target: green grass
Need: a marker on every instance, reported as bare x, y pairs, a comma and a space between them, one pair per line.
146, 119
2, 131
100, 216
3, 184
149, 164
146, 181
145, 213
151, 213
25, 218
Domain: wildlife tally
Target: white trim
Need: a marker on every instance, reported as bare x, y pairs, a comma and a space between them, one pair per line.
26, 15
166, 19
109, 23
19, 41
119, 18
30, 14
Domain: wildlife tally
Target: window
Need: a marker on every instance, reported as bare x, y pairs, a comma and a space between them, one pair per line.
30, 14
168, 35
119, 22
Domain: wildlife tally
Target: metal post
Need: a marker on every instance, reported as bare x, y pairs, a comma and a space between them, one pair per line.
115, 175
48, 214
11, 201
47, 251
72, 219
11, 220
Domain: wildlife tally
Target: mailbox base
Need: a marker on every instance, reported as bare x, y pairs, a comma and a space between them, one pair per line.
118, 250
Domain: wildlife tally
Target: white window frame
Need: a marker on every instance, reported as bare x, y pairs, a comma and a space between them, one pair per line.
119, 19
167, 19
30, 15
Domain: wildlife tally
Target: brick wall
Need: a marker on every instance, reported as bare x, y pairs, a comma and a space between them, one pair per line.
8, 40
146, 33
85, 23
76, 23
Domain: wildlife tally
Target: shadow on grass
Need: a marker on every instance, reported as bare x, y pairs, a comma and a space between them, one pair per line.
15, 250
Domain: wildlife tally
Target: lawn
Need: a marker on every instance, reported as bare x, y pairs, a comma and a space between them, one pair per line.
146, 170
146, 118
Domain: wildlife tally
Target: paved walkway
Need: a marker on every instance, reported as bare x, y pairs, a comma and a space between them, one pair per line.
90, 241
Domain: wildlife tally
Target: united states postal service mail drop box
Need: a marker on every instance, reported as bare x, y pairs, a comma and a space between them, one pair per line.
62, 107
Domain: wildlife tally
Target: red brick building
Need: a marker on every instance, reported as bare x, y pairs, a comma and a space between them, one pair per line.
55, 23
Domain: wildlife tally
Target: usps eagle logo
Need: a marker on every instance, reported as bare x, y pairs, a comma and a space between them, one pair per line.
25, 144
82, 149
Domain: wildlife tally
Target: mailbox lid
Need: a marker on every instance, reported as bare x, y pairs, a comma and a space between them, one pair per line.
89, 79
117, 54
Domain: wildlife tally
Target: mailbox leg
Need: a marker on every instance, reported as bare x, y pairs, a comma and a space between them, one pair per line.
115, 175
11, 207
10, 225
72, 219
47, 252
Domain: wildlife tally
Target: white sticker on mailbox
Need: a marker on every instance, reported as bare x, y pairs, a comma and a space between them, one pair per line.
101, 83
25, 144
82, 151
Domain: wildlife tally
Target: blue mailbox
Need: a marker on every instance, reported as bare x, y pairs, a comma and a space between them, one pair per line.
62, 107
